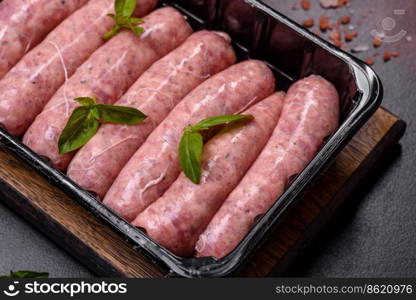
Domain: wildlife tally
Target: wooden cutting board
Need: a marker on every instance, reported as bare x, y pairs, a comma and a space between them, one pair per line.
108, 254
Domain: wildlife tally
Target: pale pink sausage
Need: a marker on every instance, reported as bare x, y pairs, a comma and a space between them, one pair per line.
24, 23
177, 218
27, 87
106, 75
155, 93
310, 114
154, 167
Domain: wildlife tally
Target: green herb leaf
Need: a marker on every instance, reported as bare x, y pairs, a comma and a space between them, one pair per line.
81, 127
136, 20
85, 120
95, 113
26, 274
113, 31
124, 10
191, 144
136, 29
122, 21
120, 114
219, 120
85, 101
190, 152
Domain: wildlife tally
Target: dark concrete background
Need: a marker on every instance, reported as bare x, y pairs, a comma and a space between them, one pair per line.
375, 234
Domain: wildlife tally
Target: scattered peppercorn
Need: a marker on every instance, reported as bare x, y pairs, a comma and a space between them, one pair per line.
377, 42
386, 56
370, 61
308, 23
345, 20
305, 4
335, 35
343, 2
324, 23
350, 36
337, 32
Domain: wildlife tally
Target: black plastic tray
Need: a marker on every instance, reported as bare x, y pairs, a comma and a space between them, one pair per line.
292, 52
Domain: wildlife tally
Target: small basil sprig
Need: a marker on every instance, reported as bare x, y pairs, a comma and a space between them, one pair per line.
124, 10
26, 274
85, 120
191, 144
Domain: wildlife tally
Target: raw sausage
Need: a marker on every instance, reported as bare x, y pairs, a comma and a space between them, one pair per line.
177, 218
310, 114
24, 23
27, 87
154, 167
155, 93
106, 75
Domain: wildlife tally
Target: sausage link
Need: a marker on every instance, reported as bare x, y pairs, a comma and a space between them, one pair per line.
27, 87
177, 218
24, 23
310, 114
154, 167
106, 75
155, 93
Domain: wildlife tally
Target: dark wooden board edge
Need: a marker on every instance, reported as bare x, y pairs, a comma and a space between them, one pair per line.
57, 233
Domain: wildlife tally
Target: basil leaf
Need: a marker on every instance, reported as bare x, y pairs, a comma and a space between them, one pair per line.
123, 18
112, 16
118, 7
113, 31
26, 274
136, 20
191, 144
219, 120
137, 29
190, 152
125, 8
95, 112
85, 101
81, 127
120, 114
